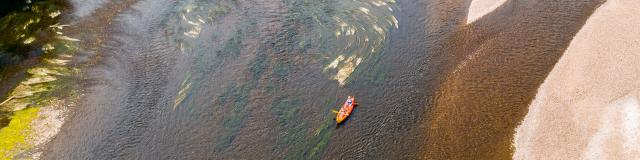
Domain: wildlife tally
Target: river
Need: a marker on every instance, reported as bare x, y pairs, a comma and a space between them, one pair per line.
252, 79
256, 79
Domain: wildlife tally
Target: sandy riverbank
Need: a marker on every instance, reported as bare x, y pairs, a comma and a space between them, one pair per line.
479, 8
500, 61
587, 108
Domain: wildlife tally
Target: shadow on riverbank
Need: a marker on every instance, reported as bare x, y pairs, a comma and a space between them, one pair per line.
26, 29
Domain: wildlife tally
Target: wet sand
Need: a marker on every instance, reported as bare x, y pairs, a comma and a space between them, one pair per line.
588, 107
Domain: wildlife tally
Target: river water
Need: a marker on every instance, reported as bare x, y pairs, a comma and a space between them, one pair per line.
251, 79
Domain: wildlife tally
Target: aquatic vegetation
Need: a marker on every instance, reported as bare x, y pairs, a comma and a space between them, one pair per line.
282, 69
374, 75
349, 32
313, 145
234, 100
344, 34
285, 109
192, 16
258, 66
294, 135
359, 39
320, 140
232, 46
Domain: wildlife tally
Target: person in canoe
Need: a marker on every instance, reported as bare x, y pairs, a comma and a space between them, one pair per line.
346, 109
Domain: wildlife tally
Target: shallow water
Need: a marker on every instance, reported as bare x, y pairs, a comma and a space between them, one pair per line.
247, 79
83, 8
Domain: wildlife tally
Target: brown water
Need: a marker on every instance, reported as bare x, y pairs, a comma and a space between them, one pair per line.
256, 79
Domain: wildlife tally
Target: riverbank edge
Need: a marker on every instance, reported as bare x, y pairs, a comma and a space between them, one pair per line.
587, 106
42, 115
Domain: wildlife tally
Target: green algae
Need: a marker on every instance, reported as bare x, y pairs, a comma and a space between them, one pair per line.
232, 46
258, 66
236, 100
285, 110
268, 72
320, 140
15, 135
308, 146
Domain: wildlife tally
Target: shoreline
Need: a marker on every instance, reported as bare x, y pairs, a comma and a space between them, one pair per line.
502, 58
588, 105
480, 8
49, 93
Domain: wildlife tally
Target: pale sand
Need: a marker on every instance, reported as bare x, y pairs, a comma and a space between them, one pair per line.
479, 8
588, 107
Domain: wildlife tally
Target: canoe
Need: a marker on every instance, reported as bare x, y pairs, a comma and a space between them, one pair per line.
346, 109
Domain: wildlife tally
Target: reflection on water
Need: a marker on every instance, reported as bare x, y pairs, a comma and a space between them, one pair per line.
83, 8
185, 86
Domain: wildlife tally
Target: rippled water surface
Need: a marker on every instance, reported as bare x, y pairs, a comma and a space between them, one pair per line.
250, 79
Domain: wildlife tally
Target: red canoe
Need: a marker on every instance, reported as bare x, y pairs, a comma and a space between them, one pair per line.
346, 109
